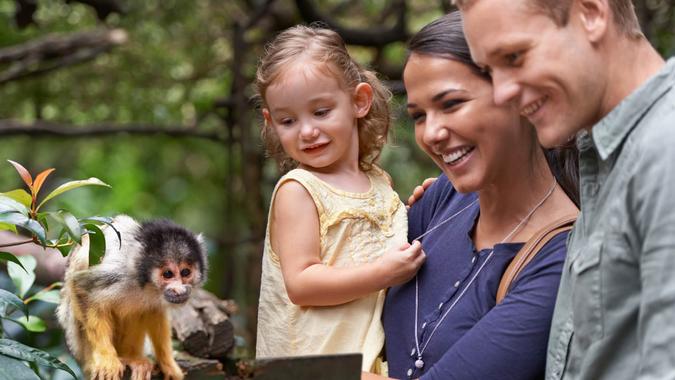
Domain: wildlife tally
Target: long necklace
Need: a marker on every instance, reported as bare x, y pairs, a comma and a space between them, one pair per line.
419, 363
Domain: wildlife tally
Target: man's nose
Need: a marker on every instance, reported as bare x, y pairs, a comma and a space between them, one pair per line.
505, 88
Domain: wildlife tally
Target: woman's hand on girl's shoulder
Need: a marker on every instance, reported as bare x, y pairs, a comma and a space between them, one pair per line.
419, 190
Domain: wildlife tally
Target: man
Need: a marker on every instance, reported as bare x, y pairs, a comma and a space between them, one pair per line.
583, 68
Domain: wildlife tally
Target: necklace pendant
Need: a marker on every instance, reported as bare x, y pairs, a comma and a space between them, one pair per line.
419, 363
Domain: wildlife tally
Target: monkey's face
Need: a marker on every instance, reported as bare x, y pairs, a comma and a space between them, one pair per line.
176, 280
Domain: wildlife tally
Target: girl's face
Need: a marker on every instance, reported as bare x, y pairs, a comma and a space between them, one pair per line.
315, 118
473, 141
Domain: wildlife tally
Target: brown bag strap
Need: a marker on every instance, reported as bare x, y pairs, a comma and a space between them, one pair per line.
530, 250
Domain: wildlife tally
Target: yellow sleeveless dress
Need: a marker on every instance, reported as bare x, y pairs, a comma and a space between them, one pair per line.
355, 228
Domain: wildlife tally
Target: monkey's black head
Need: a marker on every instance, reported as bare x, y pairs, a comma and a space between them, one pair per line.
172, 258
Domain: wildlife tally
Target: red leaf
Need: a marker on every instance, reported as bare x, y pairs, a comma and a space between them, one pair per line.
40, 179
25, 175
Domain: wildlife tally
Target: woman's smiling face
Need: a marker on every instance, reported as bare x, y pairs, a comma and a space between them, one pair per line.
458, 125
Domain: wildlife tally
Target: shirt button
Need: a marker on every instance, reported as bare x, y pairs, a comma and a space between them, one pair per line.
410, 371
473, 259
440, 306
457, 284
412, 352
424, 325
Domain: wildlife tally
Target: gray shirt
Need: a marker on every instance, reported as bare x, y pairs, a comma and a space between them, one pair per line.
615, 313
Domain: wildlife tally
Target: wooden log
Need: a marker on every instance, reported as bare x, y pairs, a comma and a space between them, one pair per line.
203, 325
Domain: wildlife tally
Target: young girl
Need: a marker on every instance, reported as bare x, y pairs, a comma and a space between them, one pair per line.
332, 217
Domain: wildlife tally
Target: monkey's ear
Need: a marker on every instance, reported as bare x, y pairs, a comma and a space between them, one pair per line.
203, 253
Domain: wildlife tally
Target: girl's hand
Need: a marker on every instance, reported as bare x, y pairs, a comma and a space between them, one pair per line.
400, 265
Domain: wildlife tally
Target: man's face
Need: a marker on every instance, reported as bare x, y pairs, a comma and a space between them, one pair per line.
551, 73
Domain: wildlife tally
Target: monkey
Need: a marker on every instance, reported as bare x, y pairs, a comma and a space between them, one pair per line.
108, 309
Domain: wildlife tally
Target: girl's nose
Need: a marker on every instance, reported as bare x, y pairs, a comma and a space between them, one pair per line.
308, 131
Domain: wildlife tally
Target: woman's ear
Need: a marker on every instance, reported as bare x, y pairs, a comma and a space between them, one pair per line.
363, 98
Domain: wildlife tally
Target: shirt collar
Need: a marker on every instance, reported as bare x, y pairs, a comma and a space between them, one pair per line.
613, 129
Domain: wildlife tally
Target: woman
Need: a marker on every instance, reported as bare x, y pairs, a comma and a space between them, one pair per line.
497, 190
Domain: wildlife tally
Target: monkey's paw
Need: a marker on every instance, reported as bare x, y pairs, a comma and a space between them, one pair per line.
171, 371
141, 369
108, 369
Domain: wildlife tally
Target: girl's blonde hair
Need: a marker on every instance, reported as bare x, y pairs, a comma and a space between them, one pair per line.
326, 47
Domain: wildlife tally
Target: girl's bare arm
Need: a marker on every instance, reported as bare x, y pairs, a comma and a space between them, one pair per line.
295, 237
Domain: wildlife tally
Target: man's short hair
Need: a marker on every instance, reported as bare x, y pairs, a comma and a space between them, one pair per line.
559, 10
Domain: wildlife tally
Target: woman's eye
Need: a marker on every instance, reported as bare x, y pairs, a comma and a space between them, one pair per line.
417, 117
452, 103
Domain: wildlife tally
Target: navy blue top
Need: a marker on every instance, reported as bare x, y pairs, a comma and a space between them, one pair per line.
477, 340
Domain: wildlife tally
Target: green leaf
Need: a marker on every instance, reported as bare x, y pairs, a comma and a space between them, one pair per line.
12, 369
7, 227
6, 256
9, 299
96, 244
51, 296
8, 204
98, 220
25, 222
65, 249
23, 278
22, 352
73, 185
70, 223
33, 324
19, 195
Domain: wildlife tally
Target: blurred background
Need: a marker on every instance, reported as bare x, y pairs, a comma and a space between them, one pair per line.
153, 98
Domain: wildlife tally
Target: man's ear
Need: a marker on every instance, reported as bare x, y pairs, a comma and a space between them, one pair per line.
267, 118
363, 99
594, 16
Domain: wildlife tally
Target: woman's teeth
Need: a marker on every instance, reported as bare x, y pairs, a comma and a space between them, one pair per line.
455, 156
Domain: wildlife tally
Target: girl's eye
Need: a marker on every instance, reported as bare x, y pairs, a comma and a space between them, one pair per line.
321, 112
286, 121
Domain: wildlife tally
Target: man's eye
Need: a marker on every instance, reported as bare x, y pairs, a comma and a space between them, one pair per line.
513, 58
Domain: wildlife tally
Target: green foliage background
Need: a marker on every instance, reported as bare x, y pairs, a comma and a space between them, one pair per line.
176, 64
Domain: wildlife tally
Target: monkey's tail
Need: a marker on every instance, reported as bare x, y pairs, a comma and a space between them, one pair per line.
78, 260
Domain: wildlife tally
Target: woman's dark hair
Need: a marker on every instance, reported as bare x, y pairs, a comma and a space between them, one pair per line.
444, 37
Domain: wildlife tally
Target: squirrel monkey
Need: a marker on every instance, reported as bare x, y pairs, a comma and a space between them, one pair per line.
107, 310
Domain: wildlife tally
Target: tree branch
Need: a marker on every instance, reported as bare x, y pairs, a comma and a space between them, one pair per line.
55, 51
43, 129
376, 36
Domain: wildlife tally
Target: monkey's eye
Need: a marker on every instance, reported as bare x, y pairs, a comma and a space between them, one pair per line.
167, 274
185, 272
